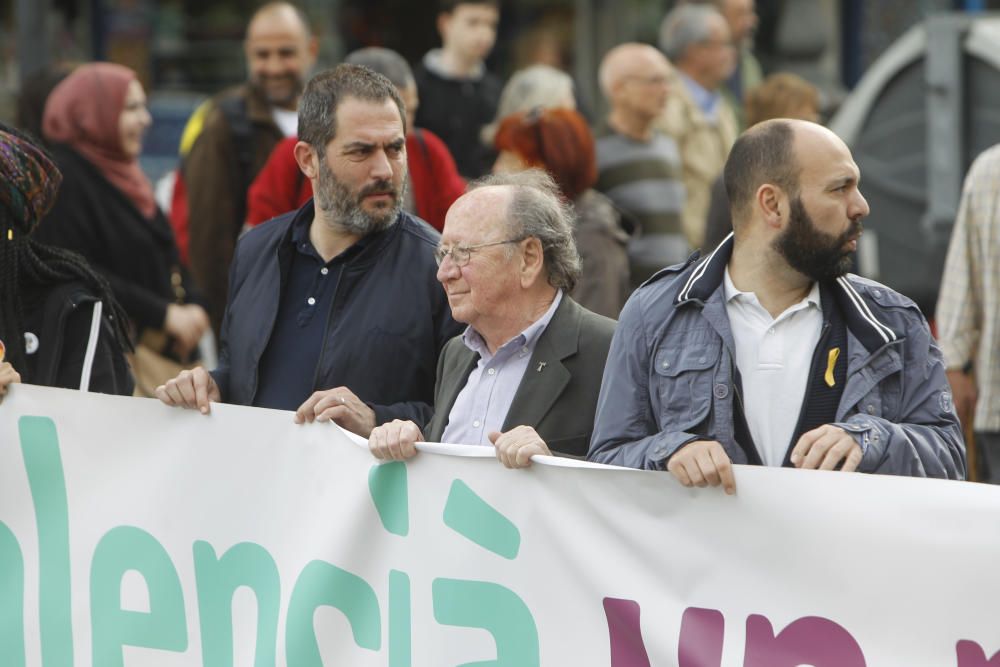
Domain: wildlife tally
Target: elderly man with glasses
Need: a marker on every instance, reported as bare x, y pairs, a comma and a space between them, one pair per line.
525, 375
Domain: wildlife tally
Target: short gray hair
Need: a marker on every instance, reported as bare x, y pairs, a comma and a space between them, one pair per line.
685, 26
325, 92
529, 88
538, 210
386, 62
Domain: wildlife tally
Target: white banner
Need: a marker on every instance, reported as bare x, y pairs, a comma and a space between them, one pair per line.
135, 534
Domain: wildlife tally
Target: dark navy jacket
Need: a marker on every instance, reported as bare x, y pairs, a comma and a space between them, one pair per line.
387, 324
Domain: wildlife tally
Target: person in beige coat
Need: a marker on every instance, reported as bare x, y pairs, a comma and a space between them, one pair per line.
699, 118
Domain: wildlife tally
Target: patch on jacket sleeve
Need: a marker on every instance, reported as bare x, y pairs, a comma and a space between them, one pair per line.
946, 403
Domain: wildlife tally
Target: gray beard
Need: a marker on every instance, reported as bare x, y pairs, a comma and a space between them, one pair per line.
344, 208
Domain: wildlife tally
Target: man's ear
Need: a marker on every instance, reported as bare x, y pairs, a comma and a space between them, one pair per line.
313, 51
772, 205
443, 21
307, 159
532, 261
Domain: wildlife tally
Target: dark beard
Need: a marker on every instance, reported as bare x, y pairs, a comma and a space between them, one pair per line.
333, 196
811, 252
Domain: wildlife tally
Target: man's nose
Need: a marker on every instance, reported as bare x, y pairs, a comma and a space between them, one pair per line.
859, 207
272, 63
447, 270
381, 166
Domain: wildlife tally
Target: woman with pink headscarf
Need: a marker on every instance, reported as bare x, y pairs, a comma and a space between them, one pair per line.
95, 119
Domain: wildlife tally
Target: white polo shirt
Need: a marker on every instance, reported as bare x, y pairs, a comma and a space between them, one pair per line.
774, 356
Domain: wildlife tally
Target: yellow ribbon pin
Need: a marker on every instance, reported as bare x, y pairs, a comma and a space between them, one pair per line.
831, 361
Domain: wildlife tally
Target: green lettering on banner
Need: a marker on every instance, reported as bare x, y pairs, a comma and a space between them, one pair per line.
474, 518
388, 488
324, 584
164, 626
245, 564
494, 608
11, 599
400, 643
40, 448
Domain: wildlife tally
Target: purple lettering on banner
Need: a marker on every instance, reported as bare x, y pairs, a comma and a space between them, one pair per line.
808, 641
627, 648
971, 654
702, 633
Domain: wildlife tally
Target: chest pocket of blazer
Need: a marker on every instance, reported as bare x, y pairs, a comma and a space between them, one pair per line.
683, 377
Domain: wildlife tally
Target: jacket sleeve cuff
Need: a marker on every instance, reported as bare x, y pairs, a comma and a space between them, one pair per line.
871, 436
667, 445
415, 411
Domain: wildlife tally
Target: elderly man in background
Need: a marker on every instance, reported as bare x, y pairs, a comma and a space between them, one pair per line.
741, 16
638, 166
698, 116
524, 376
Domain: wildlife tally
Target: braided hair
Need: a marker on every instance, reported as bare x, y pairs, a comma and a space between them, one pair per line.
29, 182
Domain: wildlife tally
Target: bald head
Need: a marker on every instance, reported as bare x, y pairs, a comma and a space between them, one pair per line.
627, 61
278, 15
777, 152
280, 51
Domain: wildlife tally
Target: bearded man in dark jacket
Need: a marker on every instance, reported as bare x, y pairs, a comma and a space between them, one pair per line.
334, 309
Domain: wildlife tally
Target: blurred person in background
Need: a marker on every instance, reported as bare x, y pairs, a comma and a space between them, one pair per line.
639, 167
968, 312
95, 119
433, 180
234, 133
741, 16
458, 95
781, 95
536, 86
696, 39
59, 324
559, 141
35, 90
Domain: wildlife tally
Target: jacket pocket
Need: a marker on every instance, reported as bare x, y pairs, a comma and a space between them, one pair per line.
683, 377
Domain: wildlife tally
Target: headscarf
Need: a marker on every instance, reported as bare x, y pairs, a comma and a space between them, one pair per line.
83, 112
28, 184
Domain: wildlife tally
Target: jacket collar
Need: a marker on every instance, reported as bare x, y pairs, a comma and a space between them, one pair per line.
857, 306
368, 249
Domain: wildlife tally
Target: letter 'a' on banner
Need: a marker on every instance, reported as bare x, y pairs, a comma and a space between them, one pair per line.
136, 534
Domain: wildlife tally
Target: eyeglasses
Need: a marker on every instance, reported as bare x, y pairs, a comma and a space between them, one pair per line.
461, 254
651, 80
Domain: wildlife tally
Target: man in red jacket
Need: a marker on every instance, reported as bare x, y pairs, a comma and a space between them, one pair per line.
434, 182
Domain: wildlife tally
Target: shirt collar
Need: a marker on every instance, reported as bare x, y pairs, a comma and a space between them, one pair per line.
704, 99
526, 339
301, 242
733, 293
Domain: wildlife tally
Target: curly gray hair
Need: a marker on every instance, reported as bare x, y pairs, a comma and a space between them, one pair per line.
537, 209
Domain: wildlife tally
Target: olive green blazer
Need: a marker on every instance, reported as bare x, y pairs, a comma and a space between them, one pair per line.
558, 393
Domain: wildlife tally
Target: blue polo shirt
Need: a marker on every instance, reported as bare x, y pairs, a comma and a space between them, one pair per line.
287, 373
